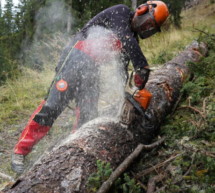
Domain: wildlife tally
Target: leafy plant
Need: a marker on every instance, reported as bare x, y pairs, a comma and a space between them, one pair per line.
128, 186
96, 179
123, 184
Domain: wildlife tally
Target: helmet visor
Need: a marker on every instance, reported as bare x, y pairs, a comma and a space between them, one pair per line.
147, 25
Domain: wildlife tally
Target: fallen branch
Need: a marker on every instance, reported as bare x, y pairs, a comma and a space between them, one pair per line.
208, 34
191, 165
7, 177
149, 170
144, 187
194, 109
176, 105
204, 105
207, 153
124, 165
197, 149
155, 144
152, 182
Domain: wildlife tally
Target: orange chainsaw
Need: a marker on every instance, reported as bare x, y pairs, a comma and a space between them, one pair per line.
135, 104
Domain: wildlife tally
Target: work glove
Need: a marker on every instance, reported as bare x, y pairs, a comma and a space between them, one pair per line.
141, 77
17, 163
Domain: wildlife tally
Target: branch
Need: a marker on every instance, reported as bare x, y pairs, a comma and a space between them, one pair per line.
124, 165
155, 144
5, 176
148, 170
211, 35
155, 179
152, 182
194, 109
207, 153
176, 104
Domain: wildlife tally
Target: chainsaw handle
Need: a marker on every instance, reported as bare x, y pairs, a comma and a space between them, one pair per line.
130, 79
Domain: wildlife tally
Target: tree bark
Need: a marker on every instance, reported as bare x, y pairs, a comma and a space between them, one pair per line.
68, 165
69, 18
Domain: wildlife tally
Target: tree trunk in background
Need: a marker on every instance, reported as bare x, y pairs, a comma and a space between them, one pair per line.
69, 24
134, 4
67, 167
69, 18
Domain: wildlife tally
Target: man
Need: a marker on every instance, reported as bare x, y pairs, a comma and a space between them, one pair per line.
77, 75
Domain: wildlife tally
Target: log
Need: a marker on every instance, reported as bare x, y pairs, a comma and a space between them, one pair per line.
68, 165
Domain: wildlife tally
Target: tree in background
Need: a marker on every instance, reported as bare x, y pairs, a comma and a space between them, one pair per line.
26, 17
8, 67
175, 8
8, 18
83, 10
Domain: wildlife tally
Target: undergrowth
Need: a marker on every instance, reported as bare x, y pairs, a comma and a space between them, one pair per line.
124, 184
191, 130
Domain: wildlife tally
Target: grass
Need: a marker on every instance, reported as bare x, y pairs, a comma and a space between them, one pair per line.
163, 47
19, 97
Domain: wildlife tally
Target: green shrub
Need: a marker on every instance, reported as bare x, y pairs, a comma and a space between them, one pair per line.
123, 184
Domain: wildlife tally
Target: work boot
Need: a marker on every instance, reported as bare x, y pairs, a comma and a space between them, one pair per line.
17, 163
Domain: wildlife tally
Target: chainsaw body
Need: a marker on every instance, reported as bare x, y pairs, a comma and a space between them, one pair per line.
135, 106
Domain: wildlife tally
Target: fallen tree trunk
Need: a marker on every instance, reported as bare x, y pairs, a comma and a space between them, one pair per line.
67, 167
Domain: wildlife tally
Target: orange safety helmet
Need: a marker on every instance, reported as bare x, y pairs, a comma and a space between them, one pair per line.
149, 17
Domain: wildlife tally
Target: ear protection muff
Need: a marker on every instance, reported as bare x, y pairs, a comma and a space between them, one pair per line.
142, 9
144, 22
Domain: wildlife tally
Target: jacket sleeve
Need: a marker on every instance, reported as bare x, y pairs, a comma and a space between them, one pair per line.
118, 19
131, 45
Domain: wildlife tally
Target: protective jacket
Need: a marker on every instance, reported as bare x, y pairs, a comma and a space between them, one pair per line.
117, 19
77, 75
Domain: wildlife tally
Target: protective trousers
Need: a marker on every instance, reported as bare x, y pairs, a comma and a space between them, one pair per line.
77, 79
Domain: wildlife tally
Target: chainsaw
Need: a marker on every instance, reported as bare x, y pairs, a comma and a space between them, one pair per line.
135, 105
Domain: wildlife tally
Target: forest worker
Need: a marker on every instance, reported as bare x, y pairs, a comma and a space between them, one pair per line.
76, 74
